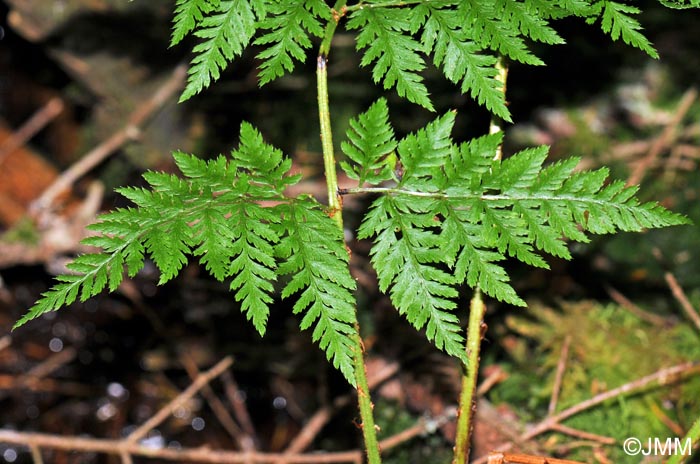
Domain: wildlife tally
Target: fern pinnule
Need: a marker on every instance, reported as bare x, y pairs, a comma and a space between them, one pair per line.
227, 30
189, 14
313, 252
385, 35
289, 22
462, 59
616, 21
371, 146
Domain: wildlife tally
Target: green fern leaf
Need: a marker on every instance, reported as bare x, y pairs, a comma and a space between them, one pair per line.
253, 238
312, 251
92, 273
462, 61
371, 146
617, 22
490, 26
472, 257
188, 14
226, 32
213, 212
424, 153
529, 22
385, 33
290, 23
458, 208
405, 255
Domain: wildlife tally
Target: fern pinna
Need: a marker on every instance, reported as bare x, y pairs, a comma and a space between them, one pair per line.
395, 38
233, 215
455, 212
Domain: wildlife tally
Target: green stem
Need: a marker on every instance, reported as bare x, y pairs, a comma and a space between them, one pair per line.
476, 328
693, 436
467, 400
324, 115
386, 4
335, 204
338, 11
496, 124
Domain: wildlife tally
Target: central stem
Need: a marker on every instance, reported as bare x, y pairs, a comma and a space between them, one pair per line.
335, 205
334, 199
475, 329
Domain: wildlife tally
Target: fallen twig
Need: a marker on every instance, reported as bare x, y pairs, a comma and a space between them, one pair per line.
31, 127
681, 297
5, 341
513, 458
422, 427
242, 441
201, 455
129, 132
202, 380
36, 455
561, 366
10, 382
661, 377
665, 139
41, 370
646, 316
238, 405
583, 434
314, 425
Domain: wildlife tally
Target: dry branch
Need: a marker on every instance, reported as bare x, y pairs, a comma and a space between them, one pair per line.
129, 132
681, 297
165, 412
242, 441
561, 367
665, 139
201, 455
314, 425
31, 127
661, 377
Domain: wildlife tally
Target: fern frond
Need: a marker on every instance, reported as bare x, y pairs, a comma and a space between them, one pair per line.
385, 36
617, 22
472, 257
491, 26
405, 256
424, 153
371, 146
557, 9
458, 208
233, 215
213, 212
462, 60
188, 14
226, 31
313, 251
529, 22
290, 23
92, 273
